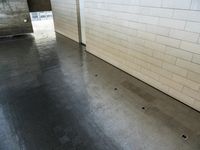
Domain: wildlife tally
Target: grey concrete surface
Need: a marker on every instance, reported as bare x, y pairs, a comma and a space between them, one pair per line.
56, 96
13, 14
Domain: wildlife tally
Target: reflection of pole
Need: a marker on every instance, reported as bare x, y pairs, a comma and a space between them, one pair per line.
3, 3
39, 17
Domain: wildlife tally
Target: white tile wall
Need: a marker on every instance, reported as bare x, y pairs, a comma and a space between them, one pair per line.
182, 4
154, 3
194, 76
159, 12
187, 15
190, 47
65, 18
157, 41
193, 27
184, 35
179, 53
196, 59
172, 23
195, 5
188, 65
168, 41
157, 30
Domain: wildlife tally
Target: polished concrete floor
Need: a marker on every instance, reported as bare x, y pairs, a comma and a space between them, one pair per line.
56, 96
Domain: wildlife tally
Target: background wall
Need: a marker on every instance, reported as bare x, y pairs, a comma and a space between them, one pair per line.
157, 41
65, 18
12, 15
39, 5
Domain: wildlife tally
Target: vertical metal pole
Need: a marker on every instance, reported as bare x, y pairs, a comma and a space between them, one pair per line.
78, 20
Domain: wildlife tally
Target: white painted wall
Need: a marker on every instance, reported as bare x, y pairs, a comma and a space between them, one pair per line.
65, 18
157, 41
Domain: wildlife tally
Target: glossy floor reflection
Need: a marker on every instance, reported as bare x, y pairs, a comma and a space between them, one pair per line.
56, 96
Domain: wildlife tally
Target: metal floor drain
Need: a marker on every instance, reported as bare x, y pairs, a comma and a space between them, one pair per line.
185, 137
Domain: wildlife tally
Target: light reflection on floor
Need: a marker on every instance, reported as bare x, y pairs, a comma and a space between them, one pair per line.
8, 138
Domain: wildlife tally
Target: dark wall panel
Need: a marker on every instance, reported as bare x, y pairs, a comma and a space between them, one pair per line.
39, 5
14, 17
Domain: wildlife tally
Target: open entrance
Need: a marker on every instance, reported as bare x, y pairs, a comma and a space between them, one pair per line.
42, 21
41, 15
